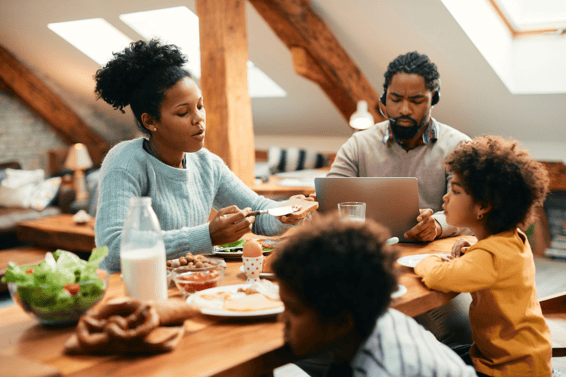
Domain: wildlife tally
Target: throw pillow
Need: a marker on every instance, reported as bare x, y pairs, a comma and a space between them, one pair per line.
45, 193
291, 159
17, 188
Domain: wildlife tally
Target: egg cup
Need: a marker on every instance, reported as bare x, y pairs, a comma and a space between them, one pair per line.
252, 268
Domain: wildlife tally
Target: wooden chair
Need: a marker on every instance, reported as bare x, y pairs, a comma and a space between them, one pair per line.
554, 311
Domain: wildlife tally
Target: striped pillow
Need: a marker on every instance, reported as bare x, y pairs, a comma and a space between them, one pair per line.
291, 159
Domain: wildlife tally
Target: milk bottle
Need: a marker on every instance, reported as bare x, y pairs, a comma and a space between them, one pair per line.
142, 253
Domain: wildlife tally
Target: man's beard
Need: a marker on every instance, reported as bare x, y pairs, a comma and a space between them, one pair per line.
403, 132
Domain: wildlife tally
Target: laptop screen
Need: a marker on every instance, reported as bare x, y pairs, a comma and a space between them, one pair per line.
391, 201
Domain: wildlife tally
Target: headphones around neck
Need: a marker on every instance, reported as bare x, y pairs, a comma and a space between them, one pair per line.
434, 101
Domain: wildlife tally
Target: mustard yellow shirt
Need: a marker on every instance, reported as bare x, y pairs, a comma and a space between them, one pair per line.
510, 335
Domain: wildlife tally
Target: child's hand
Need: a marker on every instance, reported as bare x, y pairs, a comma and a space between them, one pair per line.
460, 247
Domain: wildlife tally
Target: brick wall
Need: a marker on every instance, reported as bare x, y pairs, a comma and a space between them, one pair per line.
24, 137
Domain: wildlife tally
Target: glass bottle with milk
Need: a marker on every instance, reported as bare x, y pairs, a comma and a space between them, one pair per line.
142, 253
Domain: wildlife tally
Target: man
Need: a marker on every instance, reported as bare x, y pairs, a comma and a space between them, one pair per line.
409, 144
413, 144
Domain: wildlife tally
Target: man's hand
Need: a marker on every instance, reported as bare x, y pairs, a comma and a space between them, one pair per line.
427, 229
229, 225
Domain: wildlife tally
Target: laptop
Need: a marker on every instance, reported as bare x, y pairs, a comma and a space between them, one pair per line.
391, 201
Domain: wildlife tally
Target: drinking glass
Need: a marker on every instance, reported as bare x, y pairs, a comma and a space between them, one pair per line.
352, 211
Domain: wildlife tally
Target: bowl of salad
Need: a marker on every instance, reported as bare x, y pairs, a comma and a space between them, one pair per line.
60, 289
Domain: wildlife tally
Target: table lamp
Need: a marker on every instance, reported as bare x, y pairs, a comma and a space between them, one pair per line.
361, 119
78, 160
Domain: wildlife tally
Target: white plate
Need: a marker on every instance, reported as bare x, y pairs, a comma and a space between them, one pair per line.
222, 252
401, 290
413, 260
262, 275
229, 313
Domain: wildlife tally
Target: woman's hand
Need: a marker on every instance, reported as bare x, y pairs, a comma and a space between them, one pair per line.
229, 225
294, 218
460, 247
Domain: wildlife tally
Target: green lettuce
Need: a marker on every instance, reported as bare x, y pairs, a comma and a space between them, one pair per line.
238, 243
43, 289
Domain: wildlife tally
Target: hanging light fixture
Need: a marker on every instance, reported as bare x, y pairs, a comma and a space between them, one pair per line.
361, 119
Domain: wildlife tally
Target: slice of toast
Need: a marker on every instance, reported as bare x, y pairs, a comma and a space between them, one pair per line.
306, 206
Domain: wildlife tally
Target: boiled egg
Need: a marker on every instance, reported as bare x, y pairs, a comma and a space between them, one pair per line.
252, 249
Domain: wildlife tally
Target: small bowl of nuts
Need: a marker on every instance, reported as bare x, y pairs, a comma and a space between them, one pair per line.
195, 262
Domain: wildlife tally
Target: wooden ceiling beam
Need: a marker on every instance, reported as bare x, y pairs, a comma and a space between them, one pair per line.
317, 54
35, 95
224, 84
5, 88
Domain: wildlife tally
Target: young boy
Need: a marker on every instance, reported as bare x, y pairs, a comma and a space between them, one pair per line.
336, 280
494, 188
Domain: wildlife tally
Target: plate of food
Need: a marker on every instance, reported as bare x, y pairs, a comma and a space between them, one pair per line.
239, 300
413, 260
235, 249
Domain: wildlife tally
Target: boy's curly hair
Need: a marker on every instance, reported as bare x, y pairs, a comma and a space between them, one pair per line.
139, 77
495, 171
334, 266
413, 62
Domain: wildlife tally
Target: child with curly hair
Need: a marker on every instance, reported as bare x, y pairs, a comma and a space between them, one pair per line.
336, 279
494, 189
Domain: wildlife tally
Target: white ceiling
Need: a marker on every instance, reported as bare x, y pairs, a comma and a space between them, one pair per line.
473, 98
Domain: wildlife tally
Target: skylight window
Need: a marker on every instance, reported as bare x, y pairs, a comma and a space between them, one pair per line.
94, 37
531, 65
528, 17
180, 26
177, 25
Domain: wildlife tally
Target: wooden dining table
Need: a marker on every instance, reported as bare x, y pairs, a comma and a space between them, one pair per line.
211, 346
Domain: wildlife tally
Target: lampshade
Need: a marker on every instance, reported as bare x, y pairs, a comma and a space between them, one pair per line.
78, 158
361, 119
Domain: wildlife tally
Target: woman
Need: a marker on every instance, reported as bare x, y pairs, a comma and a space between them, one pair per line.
171, 166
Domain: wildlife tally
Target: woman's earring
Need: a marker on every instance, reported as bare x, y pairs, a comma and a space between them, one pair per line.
155, 129
479, 216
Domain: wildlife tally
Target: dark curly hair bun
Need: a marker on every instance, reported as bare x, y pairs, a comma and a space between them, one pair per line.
129, 70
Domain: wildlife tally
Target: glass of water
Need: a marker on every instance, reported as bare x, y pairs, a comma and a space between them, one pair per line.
352, 211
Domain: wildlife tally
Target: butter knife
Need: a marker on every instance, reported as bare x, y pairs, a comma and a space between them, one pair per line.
278, 211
